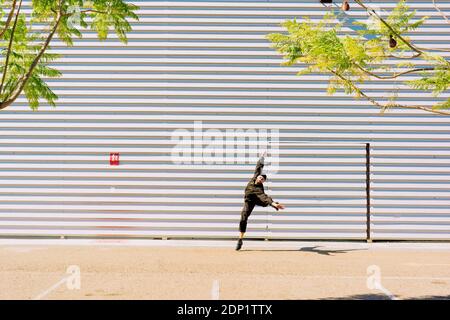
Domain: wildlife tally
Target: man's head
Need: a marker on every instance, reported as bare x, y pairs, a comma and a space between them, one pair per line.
261, 179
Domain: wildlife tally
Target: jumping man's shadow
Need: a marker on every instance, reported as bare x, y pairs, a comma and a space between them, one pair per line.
309, 249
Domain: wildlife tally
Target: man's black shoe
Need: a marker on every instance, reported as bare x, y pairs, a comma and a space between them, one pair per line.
239, 245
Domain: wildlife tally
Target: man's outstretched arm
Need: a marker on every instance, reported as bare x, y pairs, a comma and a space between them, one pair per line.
268, 201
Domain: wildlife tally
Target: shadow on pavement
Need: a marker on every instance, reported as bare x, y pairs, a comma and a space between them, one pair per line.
308, 249
431, 298
368, 296
384, 297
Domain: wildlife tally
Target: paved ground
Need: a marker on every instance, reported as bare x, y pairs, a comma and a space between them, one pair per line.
109, 269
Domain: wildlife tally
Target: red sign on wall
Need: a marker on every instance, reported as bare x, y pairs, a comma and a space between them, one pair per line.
114, 159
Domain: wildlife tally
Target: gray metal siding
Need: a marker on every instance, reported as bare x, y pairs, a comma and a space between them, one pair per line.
208, 61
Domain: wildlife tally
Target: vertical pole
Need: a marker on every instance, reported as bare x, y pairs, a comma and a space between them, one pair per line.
368, 238
269, 149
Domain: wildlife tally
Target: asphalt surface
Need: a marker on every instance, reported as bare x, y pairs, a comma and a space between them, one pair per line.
142, 269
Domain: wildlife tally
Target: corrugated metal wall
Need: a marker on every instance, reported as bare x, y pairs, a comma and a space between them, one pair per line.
208, 61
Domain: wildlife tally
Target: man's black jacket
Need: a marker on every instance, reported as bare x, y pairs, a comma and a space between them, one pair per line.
255, 192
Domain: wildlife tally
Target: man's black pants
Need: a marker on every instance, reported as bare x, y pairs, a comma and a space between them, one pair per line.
245, 213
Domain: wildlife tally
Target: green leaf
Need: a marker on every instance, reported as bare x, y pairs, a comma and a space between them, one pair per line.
353, 59
106, 16
442, 105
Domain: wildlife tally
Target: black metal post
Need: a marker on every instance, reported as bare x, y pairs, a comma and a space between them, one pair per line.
368, 238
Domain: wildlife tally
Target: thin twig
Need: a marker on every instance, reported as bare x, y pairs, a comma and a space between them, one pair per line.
370, 11
442, 13
396, 75
93, 11
434, 49
85, 11
382, 106
420, 51
399, 57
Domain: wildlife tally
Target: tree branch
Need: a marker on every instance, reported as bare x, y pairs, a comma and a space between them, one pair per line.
382, 106
93, 11
399, 57
8, 20
419, 50
8, 53
434, 49
396, 75
442, 14
22, 82
370, 11
85, 11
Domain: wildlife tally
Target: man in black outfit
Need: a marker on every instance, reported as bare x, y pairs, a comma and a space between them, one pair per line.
255, 195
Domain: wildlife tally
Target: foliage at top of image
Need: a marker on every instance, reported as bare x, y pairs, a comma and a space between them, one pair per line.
25, 40
351, 60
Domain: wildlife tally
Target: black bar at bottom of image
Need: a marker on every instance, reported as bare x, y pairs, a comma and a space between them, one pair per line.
214, 309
